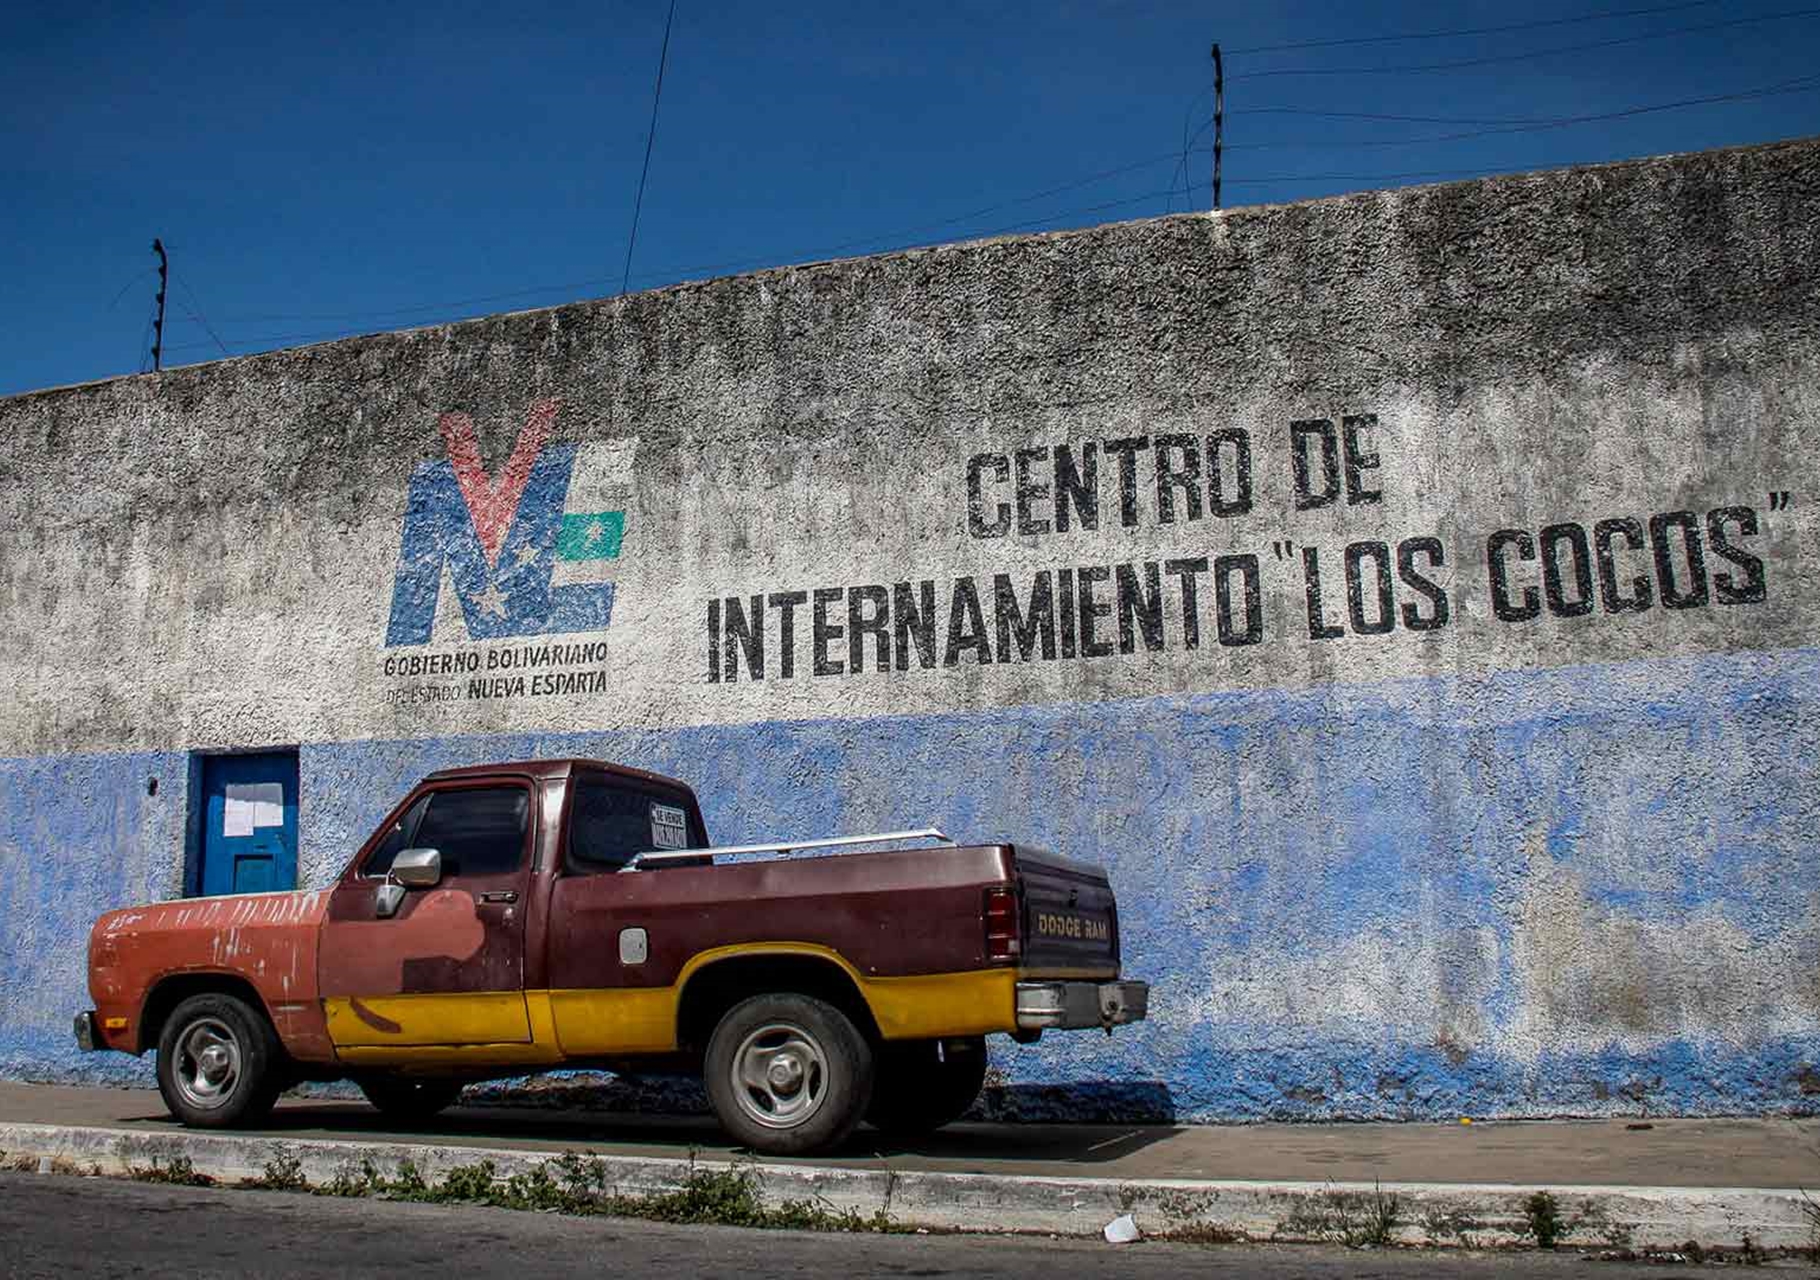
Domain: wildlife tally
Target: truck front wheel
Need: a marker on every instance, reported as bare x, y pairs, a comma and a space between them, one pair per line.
217, 1062
788, 1074
924, 1084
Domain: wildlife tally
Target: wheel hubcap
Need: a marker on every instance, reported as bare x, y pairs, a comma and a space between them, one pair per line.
780, 1075
207, 1070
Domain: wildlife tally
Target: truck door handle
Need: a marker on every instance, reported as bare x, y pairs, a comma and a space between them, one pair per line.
500, 895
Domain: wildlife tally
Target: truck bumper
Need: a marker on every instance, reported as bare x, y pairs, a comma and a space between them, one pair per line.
88, 1032
1071, 1006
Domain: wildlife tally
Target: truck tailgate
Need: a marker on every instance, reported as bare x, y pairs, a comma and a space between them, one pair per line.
1071, 925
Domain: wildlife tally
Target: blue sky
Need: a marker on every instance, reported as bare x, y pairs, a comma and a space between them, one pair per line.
344, 168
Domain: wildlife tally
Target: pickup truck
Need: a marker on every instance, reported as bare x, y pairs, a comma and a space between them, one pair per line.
513, 918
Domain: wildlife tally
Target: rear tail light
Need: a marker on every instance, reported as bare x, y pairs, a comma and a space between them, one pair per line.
1002, 934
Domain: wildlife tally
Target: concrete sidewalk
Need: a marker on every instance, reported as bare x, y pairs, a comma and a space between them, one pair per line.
1643, 1184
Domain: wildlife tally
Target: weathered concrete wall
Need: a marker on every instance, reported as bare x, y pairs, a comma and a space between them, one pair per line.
1410, 596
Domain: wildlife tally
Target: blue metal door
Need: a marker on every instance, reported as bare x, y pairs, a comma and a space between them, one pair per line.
249, 823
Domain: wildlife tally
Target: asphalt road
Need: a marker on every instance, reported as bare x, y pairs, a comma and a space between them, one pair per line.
64, 1226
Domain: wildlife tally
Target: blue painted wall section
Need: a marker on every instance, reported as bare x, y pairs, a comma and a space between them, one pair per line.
79, 835
1609, 874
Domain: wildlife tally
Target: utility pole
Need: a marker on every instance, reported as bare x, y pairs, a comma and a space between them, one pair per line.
1219, 119
164, 272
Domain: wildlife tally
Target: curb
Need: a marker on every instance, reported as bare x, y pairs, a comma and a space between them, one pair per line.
1600, 1217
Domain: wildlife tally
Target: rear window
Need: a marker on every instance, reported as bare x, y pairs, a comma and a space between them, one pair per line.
610, 821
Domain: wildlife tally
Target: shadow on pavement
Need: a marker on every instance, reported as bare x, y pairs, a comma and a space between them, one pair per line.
1078, 1102
551, 1120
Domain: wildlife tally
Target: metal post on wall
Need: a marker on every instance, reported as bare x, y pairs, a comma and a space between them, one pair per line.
1219, 119
164, 271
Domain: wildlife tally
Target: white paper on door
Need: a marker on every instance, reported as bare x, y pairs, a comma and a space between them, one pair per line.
249, 805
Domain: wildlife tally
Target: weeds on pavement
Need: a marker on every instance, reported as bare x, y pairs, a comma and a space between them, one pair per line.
572, 1183
282, 1173
1351, 1218
1811, 1211
178, 1171
1542, 1219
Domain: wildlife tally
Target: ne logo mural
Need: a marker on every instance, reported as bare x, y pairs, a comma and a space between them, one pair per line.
525, 551
501, 538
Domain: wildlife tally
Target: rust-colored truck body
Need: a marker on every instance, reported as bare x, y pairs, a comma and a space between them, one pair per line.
577, 917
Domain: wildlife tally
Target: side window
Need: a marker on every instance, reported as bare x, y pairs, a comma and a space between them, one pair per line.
609, 822
480, 831
397, 839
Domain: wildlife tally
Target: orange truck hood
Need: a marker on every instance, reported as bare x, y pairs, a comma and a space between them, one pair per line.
268, 939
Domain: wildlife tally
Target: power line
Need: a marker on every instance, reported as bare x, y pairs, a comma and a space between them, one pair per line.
1479, 31
1522, 57
650, 137
879, 239
1801, 84
1380, 116
769, 259
1456, 32
1448, 34
197, 316
128, 285
1181, 166
1377, 177
677, 273
1535, 124
1027, 224
328, 335
673, 271
422, 308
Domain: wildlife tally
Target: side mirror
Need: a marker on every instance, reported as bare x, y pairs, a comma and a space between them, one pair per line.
417, 868
387, 899
413, 869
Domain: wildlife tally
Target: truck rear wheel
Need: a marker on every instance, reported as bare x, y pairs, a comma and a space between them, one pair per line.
924, 1084
218, 1062
409, 1100
788, 1074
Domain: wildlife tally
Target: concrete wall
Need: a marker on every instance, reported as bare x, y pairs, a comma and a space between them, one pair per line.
1409, 596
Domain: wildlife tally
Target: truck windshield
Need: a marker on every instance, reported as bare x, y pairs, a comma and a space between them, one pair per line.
610, 821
